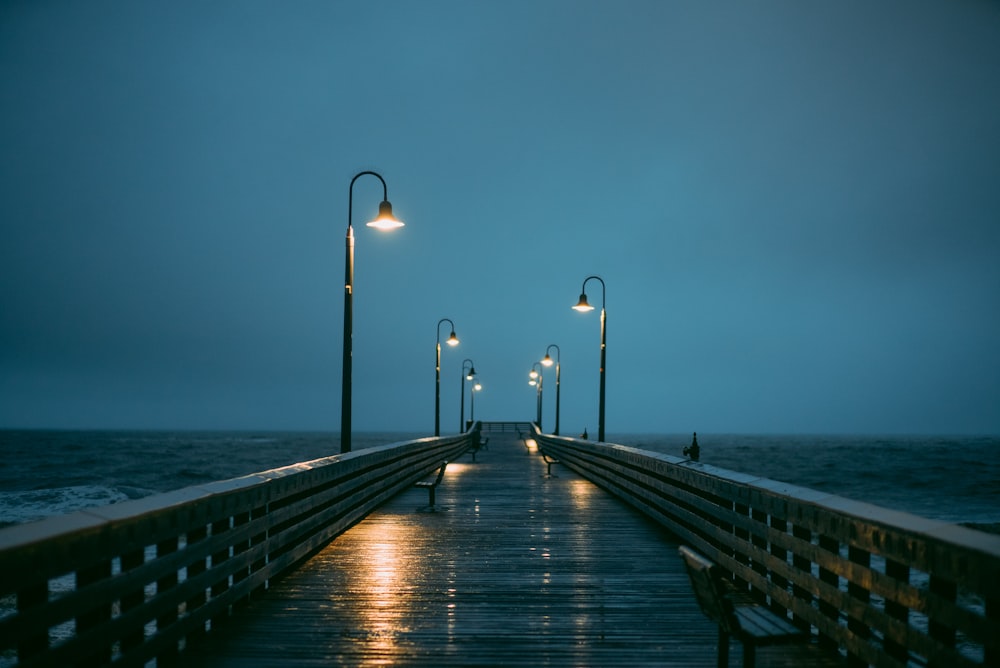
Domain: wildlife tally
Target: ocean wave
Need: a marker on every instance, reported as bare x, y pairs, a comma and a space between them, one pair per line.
26, 506
988, 527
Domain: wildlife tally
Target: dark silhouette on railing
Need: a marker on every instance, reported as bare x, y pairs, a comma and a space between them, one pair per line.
693, 451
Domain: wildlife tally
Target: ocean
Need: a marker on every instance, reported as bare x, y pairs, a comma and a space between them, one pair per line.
43, 473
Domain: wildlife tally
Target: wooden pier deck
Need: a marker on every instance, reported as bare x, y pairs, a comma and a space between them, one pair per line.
512, 568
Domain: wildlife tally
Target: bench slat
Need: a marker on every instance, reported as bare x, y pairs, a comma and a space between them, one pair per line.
764, 625
749, 622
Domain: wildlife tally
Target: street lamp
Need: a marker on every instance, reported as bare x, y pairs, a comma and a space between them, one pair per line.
584, 306
452, 341
472, 400
536, 382
547, 361
467, 374
385, 221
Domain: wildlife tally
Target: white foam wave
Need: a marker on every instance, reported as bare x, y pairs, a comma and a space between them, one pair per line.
26, 506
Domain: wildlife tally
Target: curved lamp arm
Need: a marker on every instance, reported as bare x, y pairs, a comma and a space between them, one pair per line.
452, 339
583, 305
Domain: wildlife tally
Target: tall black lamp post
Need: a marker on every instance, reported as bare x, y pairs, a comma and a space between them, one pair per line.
476, 387
584, 306
547, 361
468, 373
535, 379
385, 221
452, 341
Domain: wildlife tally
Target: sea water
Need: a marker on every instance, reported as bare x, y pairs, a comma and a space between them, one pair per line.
949, 478
42, 473
45, 473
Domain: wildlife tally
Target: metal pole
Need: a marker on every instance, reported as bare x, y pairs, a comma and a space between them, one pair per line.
584, 306
437, 379
548, 360
345, 389
540, 403
471, 373
437, 392
347, 365
604, 349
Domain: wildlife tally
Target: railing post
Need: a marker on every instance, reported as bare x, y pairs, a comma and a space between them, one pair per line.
804, 565
760, 517
257, 539
27, 599
134, 599
94, 616
164, 584
941, 632
781, 554
901, 574
859, 593
829, 577
993, 647
222, 584
194, 569
239, 519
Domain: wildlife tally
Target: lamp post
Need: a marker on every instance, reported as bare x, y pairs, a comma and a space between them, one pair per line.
466, 375
536, 381
452, 341
385, 221
584, 306
477, 387
547, 361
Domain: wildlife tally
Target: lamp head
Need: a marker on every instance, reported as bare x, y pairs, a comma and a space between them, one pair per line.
532, 374
471, 374
385, 220
477, 387
532, 382
583, 306
452, 340
547, 360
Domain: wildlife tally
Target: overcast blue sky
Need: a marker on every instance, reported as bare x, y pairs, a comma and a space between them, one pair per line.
794, 206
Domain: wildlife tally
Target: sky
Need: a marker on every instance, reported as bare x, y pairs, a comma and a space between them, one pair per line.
793, 206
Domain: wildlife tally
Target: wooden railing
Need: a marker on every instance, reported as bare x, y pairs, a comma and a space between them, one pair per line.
138, 581
884, 588
509, 426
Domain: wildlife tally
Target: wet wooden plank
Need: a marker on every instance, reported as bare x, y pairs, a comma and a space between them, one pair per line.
512, 568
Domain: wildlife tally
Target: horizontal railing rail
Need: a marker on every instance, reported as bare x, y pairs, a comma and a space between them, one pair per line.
140, 580
509, 426
885, 588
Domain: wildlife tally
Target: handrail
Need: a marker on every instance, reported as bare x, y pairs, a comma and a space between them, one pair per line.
884, 587
508, 426
137, 581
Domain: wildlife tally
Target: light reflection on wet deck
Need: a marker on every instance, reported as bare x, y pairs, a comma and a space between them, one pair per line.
515, 568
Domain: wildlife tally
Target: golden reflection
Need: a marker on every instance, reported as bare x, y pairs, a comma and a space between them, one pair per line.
380, 576
531, 444
455, 468
581, 492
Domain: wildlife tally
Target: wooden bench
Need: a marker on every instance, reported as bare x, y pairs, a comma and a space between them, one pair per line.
737, 615
481, 444
431, 485
549, 461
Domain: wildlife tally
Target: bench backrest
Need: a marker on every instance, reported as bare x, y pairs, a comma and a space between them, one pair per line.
708, 589
444, 465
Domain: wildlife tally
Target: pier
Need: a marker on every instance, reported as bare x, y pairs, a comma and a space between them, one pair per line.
570, 558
